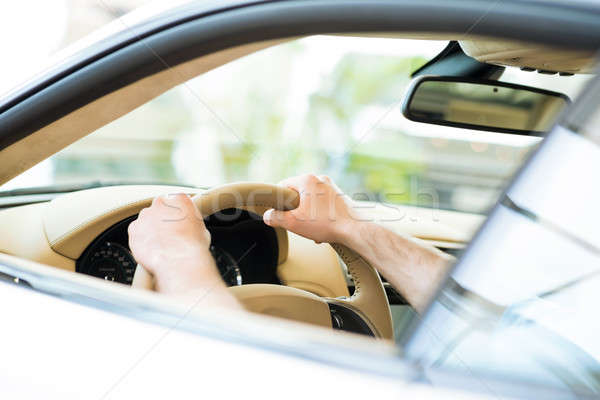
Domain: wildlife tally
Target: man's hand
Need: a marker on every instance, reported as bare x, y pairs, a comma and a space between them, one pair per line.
170, 240
325, 213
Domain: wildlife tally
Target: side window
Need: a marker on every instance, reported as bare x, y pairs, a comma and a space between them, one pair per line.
521, 302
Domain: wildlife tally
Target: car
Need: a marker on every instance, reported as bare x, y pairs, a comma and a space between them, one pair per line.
467, 124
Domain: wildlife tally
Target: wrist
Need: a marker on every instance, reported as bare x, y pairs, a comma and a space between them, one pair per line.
187, 278
349, 232
193, 269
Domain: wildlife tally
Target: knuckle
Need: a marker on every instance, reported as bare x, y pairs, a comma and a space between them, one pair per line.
290, 221
180, 197
183, 201
325, 178
268, 217
131, 227
308, 180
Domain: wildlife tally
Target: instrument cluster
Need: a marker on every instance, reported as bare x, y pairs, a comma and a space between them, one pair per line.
244, 248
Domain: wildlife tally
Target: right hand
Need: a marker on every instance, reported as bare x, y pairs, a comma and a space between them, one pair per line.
325, 214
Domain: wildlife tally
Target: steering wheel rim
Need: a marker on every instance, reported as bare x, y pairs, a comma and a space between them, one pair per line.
369, 299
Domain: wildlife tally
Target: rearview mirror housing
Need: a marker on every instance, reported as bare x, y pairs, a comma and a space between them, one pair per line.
483, 105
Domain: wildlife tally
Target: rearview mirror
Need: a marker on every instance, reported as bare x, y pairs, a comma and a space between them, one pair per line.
483, 105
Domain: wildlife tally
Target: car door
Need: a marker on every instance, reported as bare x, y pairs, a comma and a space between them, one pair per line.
77, 339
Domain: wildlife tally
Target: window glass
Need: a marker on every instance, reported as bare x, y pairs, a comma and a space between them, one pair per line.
324, 104
521, 302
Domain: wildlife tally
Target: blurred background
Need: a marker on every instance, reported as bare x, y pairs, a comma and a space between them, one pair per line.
323, 104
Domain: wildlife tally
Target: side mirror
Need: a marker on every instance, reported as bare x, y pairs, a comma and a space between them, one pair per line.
483, 105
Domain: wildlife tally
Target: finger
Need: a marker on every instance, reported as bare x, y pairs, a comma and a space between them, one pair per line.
292, 183
186, 202
157, 201
177, 199
172, 203
143, 212
325, 179
279, 219
300, 183
131, 228
132, 234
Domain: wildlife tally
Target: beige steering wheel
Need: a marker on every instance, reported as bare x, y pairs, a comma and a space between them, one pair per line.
369, 300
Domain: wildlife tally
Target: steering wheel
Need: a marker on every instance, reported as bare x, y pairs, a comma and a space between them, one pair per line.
367, 305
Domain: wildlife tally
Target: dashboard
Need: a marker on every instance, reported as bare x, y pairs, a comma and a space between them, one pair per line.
92, 240
244, 248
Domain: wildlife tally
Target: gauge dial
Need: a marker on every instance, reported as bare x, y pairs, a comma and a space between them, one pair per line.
111, 262
228, 267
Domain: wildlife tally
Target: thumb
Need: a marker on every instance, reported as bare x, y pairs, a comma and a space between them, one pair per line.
276, 218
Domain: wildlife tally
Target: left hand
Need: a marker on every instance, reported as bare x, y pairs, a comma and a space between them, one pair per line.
170, 240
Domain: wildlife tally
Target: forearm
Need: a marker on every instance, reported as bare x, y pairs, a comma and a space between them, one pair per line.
414, 269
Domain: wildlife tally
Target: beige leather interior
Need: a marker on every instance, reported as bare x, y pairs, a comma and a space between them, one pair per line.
369, 299
313, 267
443, 227
522, 54
284, 302
507, 52
55, 233
71, 229
25, 236
373, 307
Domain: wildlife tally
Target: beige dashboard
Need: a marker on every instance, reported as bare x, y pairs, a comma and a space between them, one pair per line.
56, 233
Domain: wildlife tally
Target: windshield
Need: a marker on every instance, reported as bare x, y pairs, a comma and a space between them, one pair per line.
321, 104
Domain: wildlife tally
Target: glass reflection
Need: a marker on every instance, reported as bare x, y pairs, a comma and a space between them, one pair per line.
518, 308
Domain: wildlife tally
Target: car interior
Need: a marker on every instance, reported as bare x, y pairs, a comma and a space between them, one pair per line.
81, 235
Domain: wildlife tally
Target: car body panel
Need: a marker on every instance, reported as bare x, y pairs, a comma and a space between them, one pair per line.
113, 343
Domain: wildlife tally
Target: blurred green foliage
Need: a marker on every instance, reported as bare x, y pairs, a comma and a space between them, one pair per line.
367, 162
337, 132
